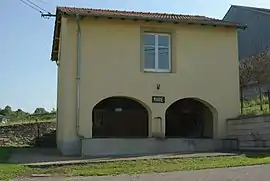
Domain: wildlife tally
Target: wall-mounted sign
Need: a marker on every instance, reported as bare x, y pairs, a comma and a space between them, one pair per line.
119, 109
158, 99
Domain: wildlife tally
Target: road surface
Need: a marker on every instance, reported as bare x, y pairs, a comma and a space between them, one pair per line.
253, 173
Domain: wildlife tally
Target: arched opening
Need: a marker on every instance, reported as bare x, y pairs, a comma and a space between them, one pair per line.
119, 117
189, 118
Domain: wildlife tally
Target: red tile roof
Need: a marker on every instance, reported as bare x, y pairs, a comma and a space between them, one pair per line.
148, 16
145, 16
152, 15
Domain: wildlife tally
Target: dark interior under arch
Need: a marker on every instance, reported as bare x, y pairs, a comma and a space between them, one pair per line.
119, 117
189, 118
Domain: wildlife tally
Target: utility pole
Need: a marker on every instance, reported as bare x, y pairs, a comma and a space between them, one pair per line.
47, 15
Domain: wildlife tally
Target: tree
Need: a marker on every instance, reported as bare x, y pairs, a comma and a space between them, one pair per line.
245, 72
53, 110
40, 111
20, 113
7, 111
261, 67
255, 70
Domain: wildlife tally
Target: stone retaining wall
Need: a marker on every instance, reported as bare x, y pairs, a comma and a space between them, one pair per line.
253, 132
24, 134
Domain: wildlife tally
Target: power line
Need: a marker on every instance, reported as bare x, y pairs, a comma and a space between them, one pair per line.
37, 6
33, 7
45, 3
42, 1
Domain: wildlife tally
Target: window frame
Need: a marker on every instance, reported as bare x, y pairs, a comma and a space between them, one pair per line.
156, 47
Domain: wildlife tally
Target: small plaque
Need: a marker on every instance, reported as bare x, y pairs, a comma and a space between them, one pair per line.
118, 109
158, 99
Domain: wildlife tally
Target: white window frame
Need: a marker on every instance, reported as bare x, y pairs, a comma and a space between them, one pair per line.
156, 46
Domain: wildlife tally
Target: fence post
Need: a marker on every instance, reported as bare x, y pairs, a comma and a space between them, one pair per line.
241, 99
268, 96
37, 133
261, 107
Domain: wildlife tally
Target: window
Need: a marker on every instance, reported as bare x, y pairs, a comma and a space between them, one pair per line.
157, 52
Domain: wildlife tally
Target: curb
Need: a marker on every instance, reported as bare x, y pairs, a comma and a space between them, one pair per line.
94, 161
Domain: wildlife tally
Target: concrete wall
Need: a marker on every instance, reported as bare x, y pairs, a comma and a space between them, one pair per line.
253, 132
204, 66
107, 147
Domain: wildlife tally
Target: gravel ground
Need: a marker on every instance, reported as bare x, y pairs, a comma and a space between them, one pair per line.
252, 173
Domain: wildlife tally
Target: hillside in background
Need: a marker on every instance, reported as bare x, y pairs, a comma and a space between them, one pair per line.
22, 116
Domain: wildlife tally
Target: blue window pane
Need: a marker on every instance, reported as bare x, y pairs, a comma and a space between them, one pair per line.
149, 57
149, 39
163, 40
163, 58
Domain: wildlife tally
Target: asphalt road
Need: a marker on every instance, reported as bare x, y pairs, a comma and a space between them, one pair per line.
253, 173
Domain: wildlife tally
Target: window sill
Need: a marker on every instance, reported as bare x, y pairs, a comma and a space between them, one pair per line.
157, 71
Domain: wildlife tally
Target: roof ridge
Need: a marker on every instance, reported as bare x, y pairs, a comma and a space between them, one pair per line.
257, 9
252, 7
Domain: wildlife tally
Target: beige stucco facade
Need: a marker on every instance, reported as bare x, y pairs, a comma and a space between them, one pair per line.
204, 66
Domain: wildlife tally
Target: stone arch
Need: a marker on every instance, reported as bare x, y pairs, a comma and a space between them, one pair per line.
120, 117
190, 118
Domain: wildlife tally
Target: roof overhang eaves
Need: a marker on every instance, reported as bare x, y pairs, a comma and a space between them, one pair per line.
56, 38
204, 22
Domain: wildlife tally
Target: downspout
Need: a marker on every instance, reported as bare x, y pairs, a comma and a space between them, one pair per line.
78, 77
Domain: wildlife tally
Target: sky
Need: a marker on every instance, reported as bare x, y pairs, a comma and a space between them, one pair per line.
29, 77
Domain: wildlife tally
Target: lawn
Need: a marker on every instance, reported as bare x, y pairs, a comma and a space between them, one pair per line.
9, 171
252, 107
4, 154
25, 122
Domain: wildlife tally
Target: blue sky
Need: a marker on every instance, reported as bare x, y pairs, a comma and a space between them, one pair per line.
28, 77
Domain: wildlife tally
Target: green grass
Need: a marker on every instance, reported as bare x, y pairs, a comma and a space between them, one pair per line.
159, 165
25, 122
252, 107
255, 110
4, 154
10, 171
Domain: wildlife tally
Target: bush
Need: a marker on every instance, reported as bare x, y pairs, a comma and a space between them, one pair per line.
253, 107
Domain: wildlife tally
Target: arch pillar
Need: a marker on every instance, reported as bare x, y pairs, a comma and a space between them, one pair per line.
158, 121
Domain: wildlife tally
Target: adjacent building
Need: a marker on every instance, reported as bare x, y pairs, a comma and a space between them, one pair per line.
256, 37
253, 40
